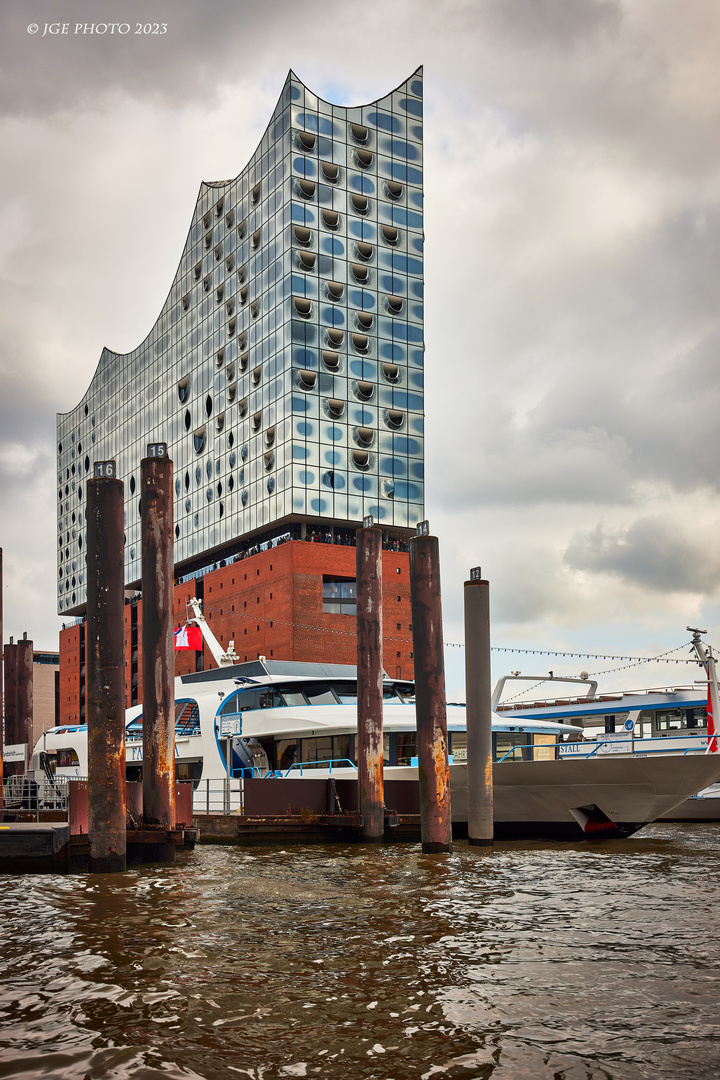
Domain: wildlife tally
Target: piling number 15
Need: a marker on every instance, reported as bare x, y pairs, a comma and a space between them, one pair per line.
157, 449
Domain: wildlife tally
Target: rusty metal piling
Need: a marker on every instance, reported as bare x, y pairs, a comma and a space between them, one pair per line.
371, 785
430, 705
105, 671
477, 710
158, 656
24, 675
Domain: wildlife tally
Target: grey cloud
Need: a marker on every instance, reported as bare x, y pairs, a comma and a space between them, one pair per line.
199, 52
555, 22
655, 553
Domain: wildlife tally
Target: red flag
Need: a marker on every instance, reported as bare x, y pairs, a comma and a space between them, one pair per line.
712, 740
189, 637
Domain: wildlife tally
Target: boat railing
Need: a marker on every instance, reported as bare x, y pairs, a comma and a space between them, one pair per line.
338, 763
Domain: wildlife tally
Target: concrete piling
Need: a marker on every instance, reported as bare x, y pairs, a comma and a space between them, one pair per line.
371, 788
105, 698
477, 710
430, 705
24, 676
158, 654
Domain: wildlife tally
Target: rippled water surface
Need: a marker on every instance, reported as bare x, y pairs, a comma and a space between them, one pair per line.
531, 960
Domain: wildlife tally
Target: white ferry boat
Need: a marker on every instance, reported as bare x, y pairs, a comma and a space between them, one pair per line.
271, 719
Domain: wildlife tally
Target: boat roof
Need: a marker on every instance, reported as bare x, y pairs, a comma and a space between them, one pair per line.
282, 669
626, 701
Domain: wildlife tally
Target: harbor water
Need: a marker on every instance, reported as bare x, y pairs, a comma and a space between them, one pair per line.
571, 962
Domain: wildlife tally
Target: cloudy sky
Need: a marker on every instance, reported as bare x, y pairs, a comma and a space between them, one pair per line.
573, 317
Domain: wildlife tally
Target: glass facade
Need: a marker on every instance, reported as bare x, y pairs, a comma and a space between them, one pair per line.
285, 371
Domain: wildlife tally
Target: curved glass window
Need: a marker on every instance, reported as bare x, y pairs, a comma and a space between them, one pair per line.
365, 389
359, 132
199, 440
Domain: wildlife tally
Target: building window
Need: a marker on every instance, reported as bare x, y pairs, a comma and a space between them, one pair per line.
339, 596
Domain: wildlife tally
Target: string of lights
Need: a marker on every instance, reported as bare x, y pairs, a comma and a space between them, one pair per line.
631, 661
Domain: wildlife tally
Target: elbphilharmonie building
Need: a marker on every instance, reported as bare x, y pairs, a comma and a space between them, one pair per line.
285, 370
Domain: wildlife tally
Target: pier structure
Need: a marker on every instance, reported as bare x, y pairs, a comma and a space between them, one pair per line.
105, 683
371, 790
156, 508
477, 710
430, 702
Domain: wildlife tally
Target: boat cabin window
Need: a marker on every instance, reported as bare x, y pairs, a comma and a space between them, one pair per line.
67, 758
406, 747
646, 724
241, 700
512, 746
696, 718
286, 753
458, 745
292, 696
316, 753
320, 693
667, 720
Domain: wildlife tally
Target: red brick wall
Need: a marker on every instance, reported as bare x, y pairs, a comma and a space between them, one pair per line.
70, 663
270, 604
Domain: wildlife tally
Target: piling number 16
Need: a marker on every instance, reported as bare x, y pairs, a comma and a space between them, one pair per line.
105, 469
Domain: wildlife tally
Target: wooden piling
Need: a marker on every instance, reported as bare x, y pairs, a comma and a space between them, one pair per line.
158, 654
430, 705
24, 676
11, 704
105, 697
369, 683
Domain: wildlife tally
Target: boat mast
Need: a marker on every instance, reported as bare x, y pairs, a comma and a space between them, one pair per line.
706, 658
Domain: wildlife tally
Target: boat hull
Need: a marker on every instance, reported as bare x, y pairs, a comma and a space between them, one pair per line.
591, 798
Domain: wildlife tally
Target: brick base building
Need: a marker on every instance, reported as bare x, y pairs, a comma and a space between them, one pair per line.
293, 601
